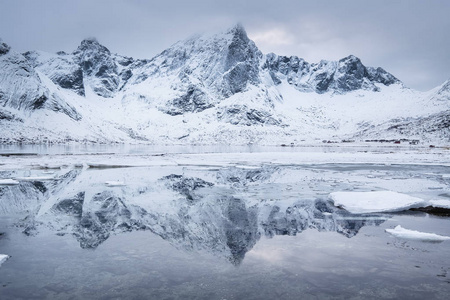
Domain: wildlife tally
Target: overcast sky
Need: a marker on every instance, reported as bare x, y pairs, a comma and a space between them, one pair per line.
409, 38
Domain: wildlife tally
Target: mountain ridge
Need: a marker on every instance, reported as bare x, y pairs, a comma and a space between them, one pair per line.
222, 81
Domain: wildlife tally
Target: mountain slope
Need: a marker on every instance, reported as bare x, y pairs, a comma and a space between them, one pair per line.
207, 89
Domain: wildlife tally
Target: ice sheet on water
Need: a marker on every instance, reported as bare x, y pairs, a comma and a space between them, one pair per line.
440, 203
376, 201
403, 233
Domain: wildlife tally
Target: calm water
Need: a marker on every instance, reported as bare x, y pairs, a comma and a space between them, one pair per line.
266, 232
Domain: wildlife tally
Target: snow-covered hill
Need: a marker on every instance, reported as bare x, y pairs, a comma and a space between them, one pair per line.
208, 89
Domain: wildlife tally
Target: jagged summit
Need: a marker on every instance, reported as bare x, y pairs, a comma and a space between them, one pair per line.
347, 74
91, 44
238, 31
98, 64
201, 71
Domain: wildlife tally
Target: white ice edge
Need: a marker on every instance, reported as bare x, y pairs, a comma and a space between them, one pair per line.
377, 201
403, 233
440, 203
3, 258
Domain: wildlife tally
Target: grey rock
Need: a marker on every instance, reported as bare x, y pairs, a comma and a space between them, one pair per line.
61, 69
243, 115
71, 206
195, 100
185, 185
4, 48
241, 63
99, 66
8, 116
345, 75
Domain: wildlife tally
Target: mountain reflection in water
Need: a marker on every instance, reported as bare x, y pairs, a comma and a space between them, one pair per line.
224, 211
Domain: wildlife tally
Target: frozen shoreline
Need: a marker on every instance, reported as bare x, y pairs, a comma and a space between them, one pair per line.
304, 156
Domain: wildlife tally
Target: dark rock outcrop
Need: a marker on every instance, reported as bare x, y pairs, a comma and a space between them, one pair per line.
243, 115
99, 66
345, 75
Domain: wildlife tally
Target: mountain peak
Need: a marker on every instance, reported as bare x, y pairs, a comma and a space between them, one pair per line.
91, 44
238, 32
4, 48
238, 27
351, 59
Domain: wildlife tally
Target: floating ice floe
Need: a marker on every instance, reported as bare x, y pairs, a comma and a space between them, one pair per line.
36, 178
403, 233
8, 182
115, 183
3, 258
440, 203
370, 202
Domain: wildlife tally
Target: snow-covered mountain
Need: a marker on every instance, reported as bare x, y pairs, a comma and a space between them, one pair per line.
208, 89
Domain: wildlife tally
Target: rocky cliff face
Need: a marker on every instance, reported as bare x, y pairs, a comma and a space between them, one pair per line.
199, 72
98, 67
22, 89
61, 69
345, 75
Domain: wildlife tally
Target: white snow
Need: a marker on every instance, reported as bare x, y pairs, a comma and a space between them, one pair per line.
3, 258
378, 201
440, 203
403, 233
8, 182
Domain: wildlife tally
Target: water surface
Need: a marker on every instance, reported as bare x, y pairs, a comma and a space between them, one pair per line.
231, 232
